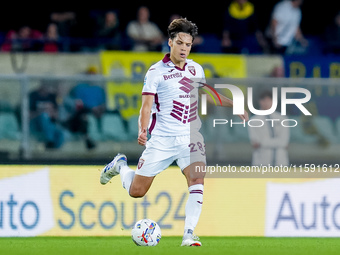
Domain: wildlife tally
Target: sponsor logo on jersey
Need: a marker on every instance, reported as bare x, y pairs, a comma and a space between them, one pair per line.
172, 76
187, 96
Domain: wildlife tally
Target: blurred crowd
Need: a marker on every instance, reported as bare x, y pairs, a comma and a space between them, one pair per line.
240, 33
54, 114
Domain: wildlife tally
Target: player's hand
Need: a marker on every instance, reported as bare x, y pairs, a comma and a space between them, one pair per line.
244, 116
142, 137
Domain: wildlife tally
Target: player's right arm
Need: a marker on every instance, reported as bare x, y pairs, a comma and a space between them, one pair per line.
144, 118
149, 91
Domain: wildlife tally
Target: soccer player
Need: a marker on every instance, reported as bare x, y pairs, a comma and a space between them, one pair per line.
169, 113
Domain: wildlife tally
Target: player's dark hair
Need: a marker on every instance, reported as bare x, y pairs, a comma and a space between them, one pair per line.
265, 94
182, 25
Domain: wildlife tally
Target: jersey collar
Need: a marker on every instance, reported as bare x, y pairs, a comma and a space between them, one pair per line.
166, 60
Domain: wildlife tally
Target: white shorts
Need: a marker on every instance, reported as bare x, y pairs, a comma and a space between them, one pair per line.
162, 151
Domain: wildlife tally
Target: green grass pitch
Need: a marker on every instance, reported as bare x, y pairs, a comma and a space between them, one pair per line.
168, 245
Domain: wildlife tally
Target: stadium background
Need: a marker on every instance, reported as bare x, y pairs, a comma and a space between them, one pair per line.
57, 192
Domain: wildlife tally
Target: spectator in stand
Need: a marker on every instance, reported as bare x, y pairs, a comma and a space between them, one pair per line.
51, 38
285, 26
26, 39
146, 36
241, 33
85, 98
43, 115
278, 71
269, 141
10, 37
333, 36
65, 21
108, 31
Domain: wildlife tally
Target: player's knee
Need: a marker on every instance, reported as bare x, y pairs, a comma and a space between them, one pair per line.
136, 192
194, 181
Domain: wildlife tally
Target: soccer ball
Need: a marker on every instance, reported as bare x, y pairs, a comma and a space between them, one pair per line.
146, 232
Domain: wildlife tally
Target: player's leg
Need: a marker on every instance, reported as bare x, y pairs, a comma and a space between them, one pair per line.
153, 160
140, 185
192, 175
194, 203
157, 157
192, 158
136, 185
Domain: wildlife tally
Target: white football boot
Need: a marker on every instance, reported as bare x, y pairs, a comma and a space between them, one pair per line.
191, 240
112, 169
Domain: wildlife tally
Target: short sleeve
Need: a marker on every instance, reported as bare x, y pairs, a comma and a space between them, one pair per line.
132, 30
278, 12
151, 82
202, 79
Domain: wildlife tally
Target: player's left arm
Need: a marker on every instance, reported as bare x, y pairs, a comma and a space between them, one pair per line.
226, 102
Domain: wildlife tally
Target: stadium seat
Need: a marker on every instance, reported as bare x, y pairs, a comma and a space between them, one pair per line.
325, 127
239, 132
93, 130
133, 127
337, 127
217, 133
113, 127
9, 127
298, 134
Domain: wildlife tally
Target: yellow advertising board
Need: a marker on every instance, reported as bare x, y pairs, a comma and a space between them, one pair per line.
129, 69
70, 201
